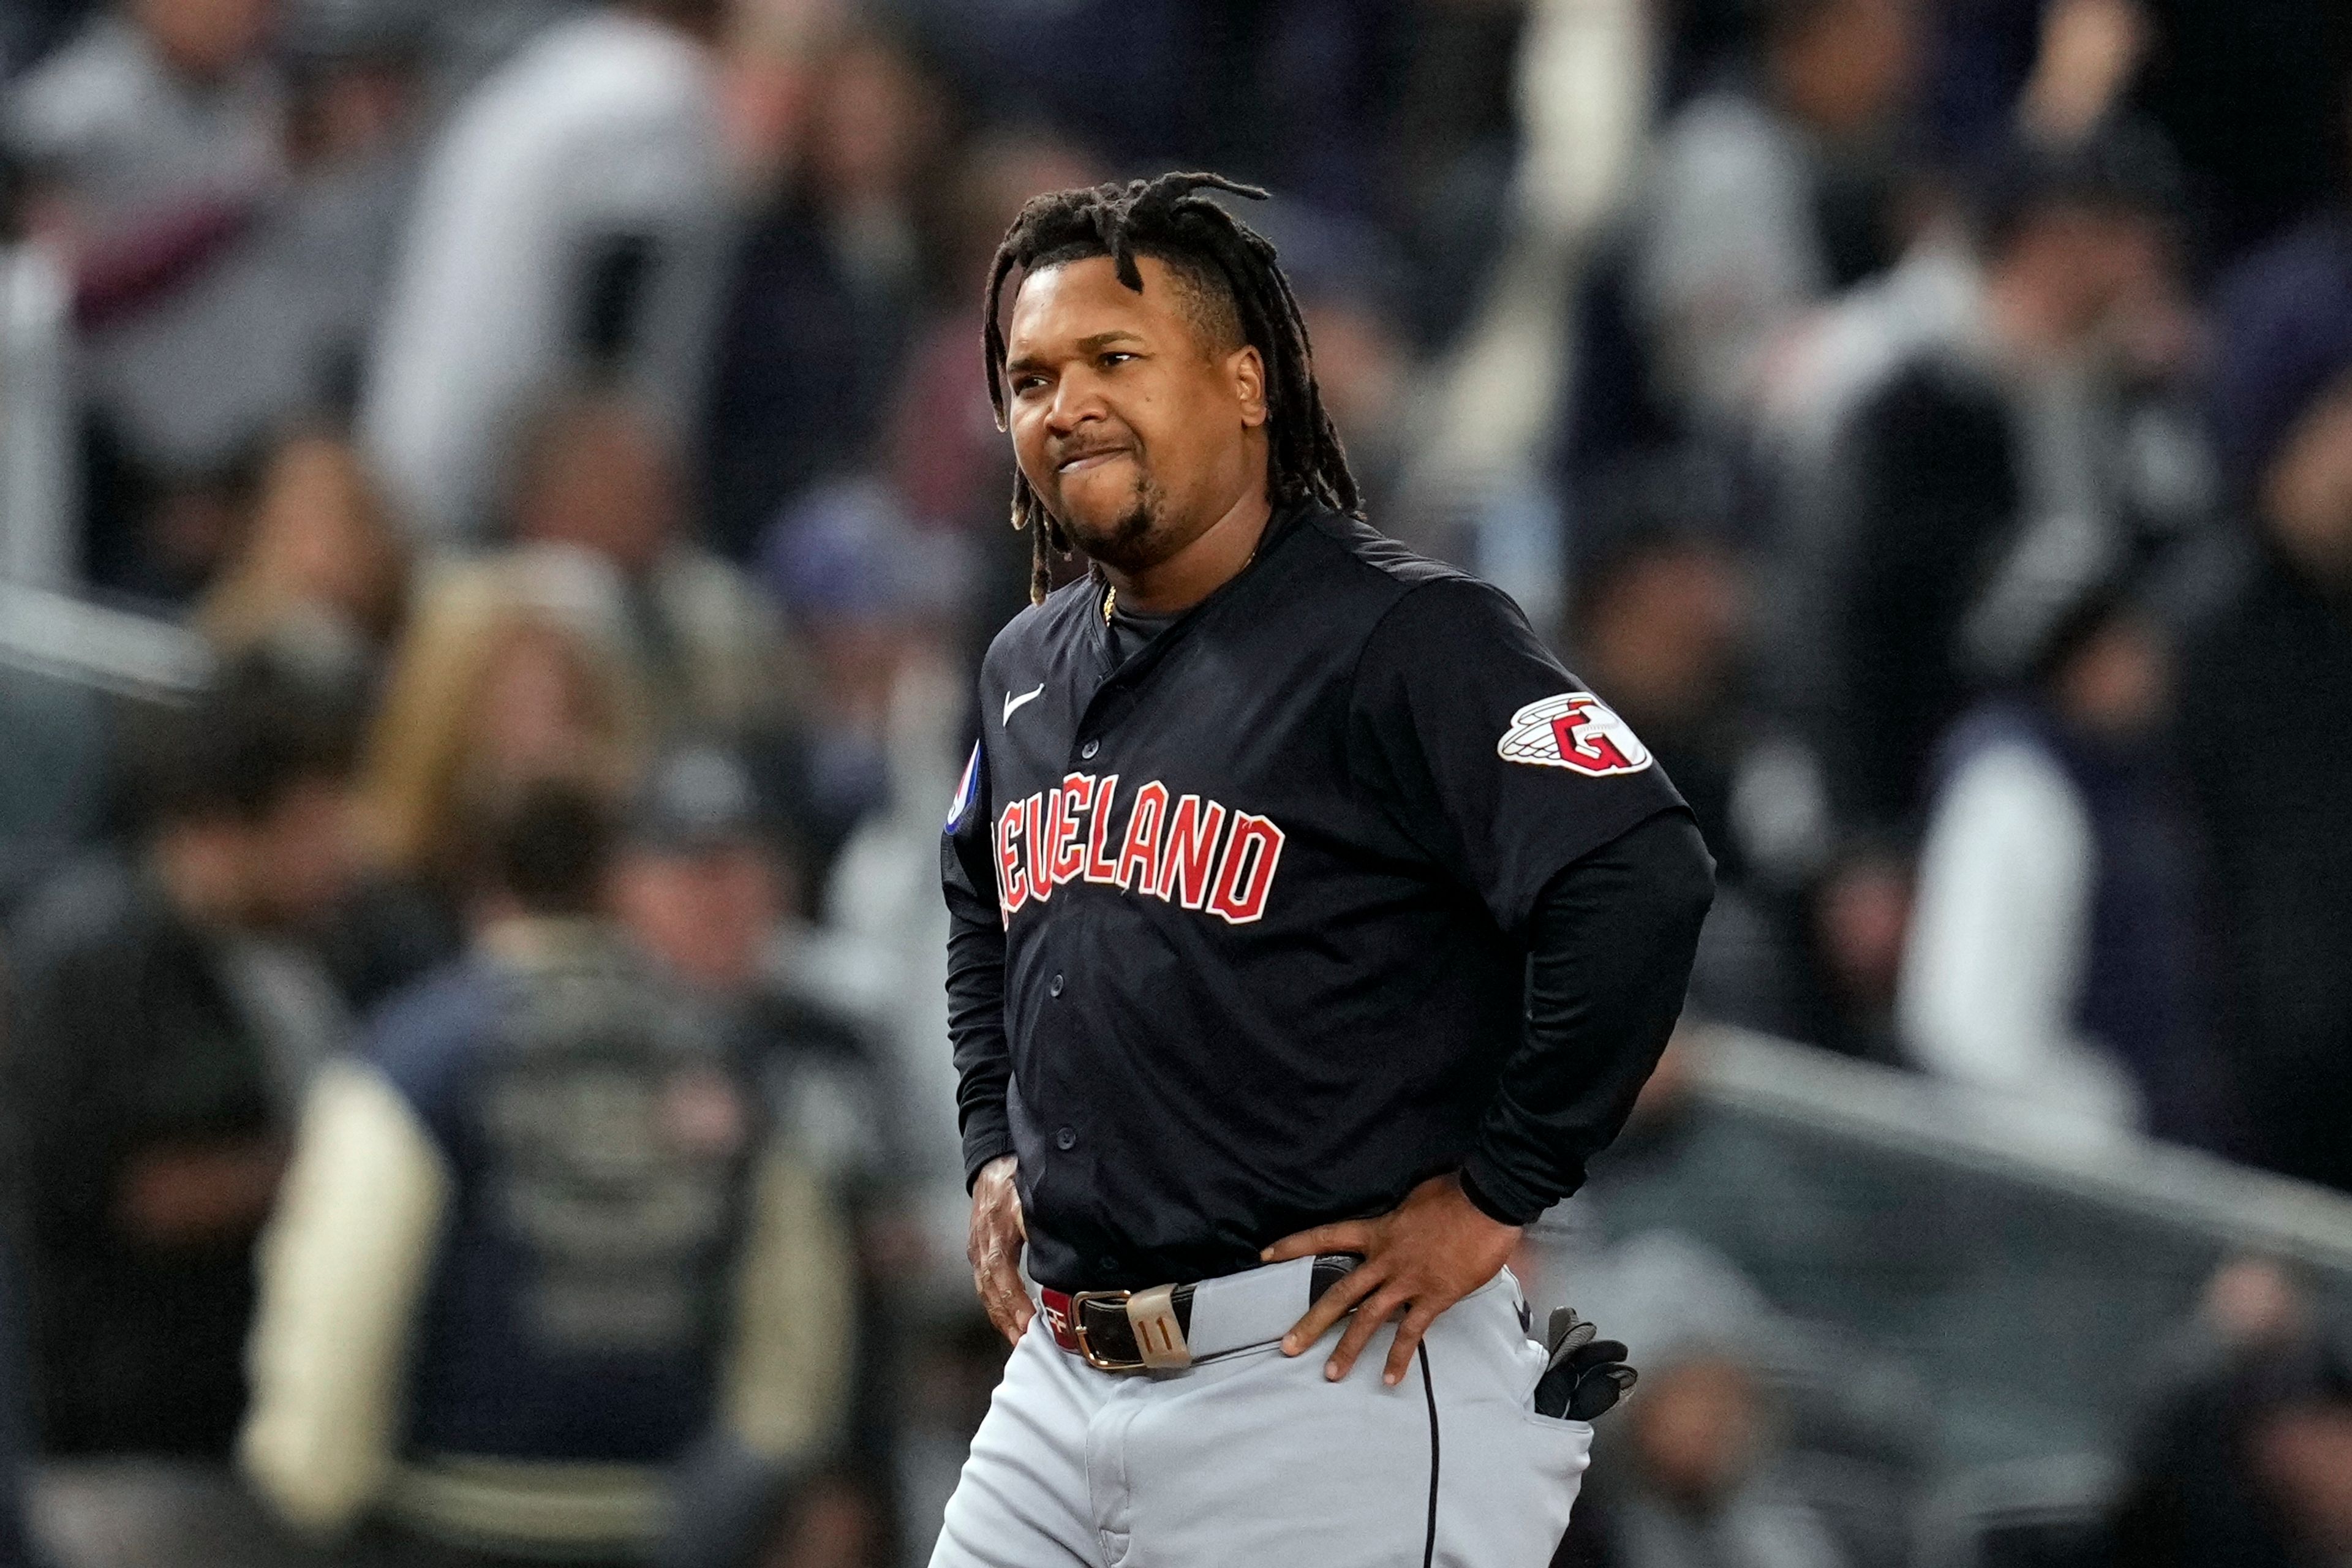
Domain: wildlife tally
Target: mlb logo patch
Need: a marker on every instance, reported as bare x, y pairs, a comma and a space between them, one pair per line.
1574, 730
967, 791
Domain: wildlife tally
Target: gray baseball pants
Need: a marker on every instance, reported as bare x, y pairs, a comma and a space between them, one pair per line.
1253, 1459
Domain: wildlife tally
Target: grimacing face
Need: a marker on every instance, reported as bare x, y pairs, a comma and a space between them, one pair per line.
1134, 429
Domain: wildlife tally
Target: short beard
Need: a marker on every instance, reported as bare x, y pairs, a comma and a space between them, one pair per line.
1130, 543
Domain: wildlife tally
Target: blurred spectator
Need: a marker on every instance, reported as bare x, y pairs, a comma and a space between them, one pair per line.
1860, 925
695, 883
701, 887
882, 932
1397, 114
2019, 416
598, 475
288, 319
828, 289
571, 214
2246, 1464
1116, 75
771, 47
1543, 373
2051, 74
2254, 98
2088, 54
167, 1022
1662, 618
2052, 69
1448, 155
1767, 195
2279, 329
1286, 91
507, 672
501, 678
877, 596
1351, 284
161, 110
2052, 954
320, 571
307, 297
150, 143
225, 214
2254, 1300
881, 958
1689, 1480
1660, 601
538, 1242
2267, 681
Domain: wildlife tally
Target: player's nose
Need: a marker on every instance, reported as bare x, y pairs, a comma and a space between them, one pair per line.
1075, 403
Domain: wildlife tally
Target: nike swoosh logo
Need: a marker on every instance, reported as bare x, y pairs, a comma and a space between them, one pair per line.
1012, 704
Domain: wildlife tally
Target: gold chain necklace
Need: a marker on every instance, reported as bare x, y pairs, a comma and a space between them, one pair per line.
1110, 591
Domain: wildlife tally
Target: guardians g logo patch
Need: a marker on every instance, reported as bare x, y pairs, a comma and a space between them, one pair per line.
1574, 730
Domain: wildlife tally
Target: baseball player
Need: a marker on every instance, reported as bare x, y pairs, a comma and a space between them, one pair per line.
1312, 927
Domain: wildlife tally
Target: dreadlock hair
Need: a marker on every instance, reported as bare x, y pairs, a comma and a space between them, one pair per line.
1169, 220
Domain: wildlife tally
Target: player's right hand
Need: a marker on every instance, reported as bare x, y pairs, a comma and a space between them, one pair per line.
998, 1234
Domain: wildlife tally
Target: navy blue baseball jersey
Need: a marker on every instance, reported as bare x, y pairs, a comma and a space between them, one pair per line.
1239, 936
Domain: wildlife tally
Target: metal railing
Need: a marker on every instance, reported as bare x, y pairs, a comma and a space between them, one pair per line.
1906, 1116
2017, 1283
117, 651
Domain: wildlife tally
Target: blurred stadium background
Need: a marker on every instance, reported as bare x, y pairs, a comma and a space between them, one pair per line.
1929, 422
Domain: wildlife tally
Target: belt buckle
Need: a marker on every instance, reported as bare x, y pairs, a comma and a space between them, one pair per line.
1078, 1329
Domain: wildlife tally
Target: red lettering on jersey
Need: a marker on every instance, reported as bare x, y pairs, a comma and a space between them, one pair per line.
1066, 854
1246, 875
1188, 851
1598, 751
1033, 834
1170, 850
1142, 850
1098, 869
1012, 886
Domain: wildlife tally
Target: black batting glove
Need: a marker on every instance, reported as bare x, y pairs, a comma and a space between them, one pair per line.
1586, 1374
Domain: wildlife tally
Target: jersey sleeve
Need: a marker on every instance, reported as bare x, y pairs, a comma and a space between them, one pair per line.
984, 1058
1610, 945
1485, 752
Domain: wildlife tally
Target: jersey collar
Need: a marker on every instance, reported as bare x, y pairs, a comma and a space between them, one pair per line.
1280, 529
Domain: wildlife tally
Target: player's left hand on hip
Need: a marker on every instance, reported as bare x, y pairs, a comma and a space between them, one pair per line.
1419, 1259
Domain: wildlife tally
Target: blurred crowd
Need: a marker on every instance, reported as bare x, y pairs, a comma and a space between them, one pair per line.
475, 1079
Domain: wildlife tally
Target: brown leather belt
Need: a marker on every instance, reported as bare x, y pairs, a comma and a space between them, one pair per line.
1149, 1330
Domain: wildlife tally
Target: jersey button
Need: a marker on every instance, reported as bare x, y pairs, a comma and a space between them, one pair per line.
1109, 1265
1054, 987
1067, 1139
1088, 750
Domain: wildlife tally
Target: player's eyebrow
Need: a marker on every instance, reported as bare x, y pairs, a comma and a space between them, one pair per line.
1092, 344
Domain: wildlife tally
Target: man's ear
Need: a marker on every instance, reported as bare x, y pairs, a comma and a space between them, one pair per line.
1246, 369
